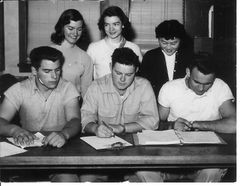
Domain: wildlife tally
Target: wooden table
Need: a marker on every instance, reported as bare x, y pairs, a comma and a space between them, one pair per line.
76, 154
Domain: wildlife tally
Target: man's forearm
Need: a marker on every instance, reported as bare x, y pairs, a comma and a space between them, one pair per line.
225, 125
72, 128
91, 127
132, 127
6, 129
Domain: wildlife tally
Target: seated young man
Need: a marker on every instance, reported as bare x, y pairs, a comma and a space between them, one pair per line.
199, 101
118, 103
45, 102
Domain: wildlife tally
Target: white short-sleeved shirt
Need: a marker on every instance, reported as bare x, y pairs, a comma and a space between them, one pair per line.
100, 53
36, 113
184, 103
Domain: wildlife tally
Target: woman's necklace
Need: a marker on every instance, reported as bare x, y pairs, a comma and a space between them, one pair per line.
114, 45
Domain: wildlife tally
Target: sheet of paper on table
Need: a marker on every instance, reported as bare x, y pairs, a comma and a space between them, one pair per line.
7, 149
104, 143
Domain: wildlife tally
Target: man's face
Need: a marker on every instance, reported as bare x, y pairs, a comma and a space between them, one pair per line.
48, 74
73, 31
169, 46
199, 82
123, 76
113, 27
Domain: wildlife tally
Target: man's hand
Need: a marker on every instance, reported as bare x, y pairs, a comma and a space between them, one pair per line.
104, 130
182, 124
22, 136
55, 139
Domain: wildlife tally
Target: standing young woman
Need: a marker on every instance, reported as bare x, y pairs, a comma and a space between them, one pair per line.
170, 60
116, 28
78, 67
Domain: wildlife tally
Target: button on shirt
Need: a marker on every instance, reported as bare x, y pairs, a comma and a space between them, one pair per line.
103, 103
37, 113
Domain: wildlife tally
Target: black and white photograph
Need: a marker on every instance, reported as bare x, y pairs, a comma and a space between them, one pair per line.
121, 91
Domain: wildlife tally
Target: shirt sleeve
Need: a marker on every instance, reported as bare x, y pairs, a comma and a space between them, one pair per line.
90, 51
70, 92
14, 95
148, 115
163, 97
89, 106
224, 92
138, 52
87, 76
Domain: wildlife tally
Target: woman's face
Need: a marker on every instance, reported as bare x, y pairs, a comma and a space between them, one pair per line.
169, 46
113, 27
73, 31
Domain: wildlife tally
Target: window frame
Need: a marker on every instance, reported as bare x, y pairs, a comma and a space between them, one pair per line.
2, 56
23, 64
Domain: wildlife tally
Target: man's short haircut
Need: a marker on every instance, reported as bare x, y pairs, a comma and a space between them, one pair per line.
205, 63
125, 56
45, 52
170, 29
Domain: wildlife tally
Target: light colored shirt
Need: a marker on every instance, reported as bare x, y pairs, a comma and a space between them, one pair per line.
36, 113
170, 64
77, 68
184, 103
101, 52
103, 103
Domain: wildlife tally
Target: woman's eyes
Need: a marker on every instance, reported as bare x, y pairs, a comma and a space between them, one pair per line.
71, 28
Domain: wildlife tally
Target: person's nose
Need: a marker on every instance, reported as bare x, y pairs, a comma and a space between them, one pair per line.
111, 28
75, 32
122, 79
168, 46
53, 74
201, 87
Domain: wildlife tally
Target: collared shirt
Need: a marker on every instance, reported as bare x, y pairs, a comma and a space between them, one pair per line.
170, 64
37, 113
184, 103
103, 103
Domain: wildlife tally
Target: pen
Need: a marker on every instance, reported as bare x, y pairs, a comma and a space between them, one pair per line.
106, 125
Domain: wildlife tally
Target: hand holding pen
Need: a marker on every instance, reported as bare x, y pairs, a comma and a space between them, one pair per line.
103, 130
111, 131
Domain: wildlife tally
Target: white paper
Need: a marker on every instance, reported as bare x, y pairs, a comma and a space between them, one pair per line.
166, 137
104, 143
150, 137
204, 137
7, 149
37, 143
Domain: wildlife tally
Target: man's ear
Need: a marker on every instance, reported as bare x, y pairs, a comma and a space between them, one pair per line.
110, 66
187, 72
33, 71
